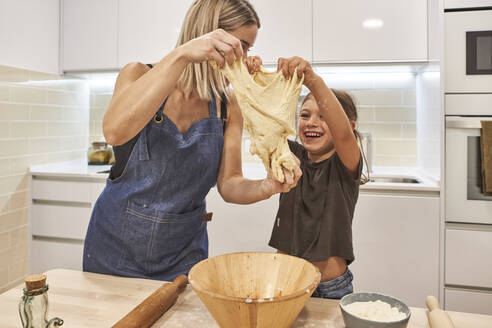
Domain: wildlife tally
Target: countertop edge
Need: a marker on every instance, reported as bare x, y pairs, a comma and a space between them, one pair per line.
78, 169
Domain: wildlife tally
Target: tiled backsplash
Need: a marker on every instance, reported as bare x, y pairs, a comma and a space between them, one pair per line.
389, 114
43, 118
386, 107
101, 90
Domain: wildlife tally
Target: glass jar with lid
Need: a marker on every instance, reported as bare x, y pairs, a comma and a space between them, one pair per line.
99, 153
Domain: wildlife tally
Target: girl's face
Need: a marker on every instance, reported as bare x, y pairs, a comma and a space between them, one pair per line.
247, 35
313, 130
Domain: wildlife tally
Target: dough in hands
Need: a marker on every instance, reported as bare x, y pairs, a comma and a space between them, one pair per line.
268, 102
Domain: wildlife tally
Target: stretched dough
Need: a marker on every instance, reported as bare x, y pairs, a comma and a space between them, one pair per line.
268, 103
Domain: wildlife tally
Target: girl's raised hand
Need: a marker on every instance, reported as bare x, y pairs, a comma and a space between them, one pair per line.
288, 66
217, 45
253, 63
271, 186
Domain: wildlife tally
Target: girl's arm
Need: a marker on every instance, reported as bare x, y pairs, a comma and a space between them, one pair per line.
139, 92
330, 109
232, 186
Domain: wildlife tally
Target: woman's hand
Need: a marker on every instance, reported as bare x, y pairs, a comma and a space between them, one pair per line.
217, 45
271, 186
289, 65
253, 63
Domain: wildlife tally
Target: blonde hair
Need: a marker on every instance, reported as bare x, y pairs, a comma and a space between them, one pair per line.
205, 16
350, 109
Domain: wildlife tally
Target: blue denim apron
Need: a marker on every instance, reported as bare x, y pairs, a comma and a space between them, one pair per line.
148, 222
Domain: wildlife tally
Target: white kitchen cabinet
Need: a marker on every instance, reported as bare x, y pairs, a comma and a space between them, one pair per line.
48, 254
89, 35
396, 245
286, 29
240, 228
473, 301
369, 31
148, 29
61, 220
455, 4
66, 190
29, 34
468, 256
59, 215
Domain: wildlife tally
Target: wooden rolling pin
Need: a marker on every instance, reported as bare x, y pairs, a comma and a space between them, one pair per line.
437, 317
153, 307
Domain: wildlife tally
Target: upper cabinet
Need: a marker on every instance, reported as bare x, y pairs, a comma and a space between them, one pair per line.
29, 34
89, 35
286, 29
148, 29
369, 31
455, 4
108, 34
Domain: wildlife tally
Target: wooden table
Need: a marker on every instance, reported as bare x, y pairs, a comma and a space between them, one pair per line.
93, 300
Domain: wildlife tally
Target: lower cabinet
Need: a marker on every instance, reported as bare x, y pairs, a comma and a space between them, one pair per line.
47, 254
396, 245
468, 268
468, 257
396, 237
473, 301
59, 215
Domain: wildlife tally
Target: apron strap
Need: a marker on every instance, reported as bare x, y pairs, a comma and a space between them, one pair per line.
212, 107
223, 112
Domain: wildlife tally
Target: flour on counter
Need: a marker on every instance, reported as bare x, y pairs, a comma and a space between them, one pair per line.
376, 311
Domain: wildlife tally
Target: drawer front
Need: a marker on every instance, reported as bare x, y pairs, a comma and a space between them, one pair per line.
468, 301
48, 254
69, 191
60, 221
468, 258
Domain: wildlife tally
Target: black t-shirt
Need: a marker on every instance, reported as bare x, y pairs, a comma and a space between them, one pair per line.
314, 220
121, 156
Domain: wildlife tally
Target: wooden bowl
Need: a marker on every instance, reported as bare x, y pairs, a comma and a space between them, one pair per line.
254, 289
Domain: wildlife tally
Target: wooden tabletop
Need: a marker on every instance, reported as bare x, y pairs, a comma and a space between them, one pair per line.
93, 300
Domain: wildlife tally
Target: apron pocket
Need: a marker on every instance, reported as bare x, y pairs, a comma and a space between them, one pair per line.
159, 242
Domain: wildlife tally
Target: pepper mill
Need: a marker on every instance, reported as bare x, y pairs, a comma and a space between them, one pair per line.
33, 306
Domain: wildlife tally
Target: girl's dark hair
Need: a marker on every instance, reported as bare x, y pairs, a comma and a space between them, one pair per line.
350, 109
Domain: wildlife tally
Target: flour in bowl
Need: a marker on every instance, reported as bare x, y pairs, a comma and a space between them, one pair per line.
376, 311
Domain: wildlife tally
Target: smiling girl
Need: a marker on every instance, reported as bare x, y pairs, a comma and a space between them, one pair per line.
314, 219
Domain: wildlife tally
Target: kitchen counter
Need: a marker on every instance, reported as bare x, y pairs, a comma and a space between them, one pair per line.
93, 300
71, 169
80, 169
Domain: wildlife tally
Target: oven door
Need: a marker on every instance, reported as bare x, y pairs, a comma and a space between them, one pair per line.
465, 201
468, 51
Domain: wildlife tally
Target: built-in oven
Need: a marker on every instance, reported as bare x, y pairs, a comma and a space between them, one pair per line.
468, 50
466, 201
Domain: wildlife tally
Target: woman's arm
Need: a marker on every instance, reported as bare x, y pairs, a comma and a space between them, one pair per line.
139, 92
232, 186
330, 109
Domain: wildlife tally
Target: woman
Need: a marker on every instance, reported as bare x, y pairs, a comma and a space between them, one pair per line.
166, 122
